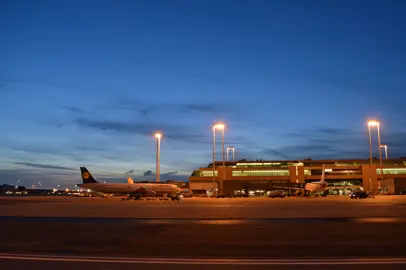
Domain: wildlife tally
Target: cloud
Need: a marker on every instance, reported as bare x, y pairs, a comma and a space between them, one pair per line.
341, 143
177, 131
130, 171
395, 139
150, 173
73, 109
205, 108
81, 152
319, 131
30, 176
171, 131
3, 88
170, 173
39, 82
264, 154
149, 109
43, 166
272, 153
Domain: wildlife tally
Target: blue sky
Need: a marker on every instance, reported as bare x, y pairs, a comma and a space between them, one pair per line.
86, 83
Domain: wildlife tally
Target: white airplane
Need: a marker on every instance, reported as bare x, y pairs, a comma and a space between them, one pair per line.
316, 187
161, 190
133, 190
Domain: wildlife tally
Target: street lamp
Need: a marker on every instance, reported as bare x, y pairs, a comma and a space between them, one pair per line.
371, 123
374, 123
386, 150
158, 155
221, 127
233, 149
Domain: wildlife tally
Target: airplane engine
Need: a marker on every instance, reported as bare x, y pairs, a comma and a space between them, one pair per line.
149, 194
143, 193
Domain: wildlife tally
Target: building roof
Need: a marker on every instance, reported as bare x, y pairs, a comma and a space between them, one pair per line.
314, 161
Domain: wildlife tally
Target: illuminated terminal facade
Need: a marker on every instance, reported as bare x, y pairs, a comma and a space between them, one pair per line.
251, 177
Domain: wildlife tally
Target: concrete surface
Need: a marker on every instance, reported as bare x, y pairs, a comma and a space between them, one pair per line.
78, 263
204, 207
290, 228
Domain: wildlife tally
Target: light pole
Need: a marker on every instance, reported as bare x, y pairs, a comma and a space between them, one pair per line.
380, 150
233, 150
386, 150
374, 123
158, 156
370, 123
222, 146
214, 159
221, 127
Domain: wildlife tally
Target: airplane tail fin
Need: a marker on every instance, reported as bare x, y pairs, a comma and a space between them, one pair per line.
323, 180
86, 176
130, 180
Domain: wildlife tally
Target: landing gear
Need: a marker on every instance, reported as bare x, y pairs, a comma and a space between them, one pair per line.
176, 198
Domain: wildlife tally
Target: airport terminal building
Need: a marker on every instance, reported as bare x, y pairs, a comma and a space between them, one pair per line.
253, 177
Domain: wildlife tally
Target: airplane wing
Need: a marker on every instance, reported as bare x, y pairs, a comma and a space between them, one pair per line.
295, 186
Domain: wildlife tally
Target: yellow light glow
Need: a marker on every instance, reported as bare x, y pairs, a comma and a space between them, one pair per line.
219, 126
158, 135
373, 123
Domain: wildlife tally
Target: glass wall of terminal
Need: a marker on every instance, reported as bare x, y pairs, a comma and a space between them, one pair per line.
260, 173
344, 182
261, 164
204, 173
391, 171
334, 172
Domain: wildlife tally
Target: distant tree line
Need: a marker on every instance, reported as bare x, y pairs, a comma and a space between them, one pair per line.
10, 187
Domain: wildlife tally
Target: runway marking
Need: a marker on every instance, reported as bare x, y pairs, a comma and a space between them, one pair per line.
206, 261
208, 221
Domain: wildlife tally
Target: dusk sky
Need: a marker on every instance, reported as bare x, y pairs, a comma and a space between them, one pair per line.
86, 83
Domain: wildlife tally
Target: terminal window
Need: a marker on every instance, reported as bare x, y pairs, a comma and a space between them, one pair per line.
392, 171
261, 173
209, 173
204, 173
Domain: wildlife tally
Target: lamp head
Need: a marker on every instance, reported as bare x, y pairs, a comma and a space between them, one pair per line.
373, 123
219, 126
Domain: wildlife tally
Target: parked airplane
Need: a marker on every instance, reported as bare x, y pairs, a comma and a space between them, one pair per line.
312, 187
161, 190
133, 190
317, 187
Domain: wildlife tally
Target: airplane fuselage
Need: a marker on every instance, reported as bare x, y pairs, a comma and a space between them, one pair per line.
131, 188
315, 187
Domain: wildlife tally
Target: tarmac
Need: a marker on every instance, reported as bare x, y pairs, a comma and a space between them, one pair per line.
292, 207
261, 229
